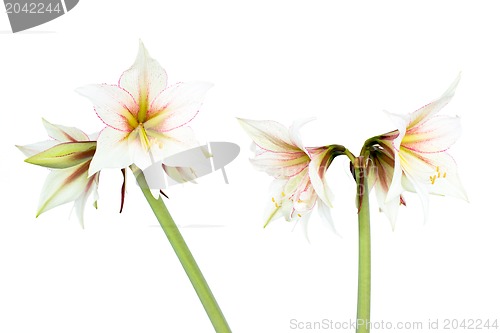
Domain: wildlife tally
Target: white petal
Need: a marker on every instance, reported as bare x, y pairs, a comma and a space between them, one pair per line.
174, 142
35, 148
62, 186
145, 79
280, 165
389, 207
269, 135
90, 188
423, 195
113, 105
112, 151
304, 222
64, 133
423, 167
434, 135
294, 133
176, 106
432, 108
325, 213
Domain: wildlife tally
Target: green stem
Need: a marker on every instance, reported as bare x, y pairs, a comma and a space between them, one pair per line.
364, 268
185, 257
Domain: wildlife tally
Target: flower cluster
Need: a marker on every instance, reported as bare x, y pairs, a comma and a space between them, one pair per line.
145, 122
411, 158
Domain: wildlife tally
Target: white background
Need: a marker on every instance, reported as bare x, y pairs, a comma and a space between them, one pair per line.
343, 64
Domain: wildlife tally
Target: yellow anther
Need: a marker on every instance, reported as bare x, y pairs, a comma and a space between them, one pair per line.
273, 199
444, 175
437, 169
299, 215
282, 194
430, 178
433, 179
439, 174
276, 205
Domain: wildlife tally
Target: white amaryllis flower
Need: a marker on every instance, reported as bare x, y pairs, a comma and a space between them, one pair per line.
68, 156
414, 157
145, 119
299, 172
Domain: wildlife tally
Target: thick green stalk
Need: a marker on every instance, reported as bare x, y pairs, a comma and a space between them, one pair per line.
364, 265
185, 257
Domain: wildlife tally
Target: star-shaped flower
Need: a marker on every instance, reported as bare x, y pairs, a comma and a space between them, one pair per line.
145, 119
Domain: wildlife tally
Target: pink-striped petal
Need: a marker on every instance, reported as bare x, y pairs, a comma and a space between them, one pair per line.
176, 106
434, 135
280, 165
434, 107
113, 105
145, 79
269, 135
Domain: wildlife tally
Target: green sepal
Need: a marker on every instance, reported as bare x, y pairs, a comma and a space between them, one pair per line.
64, 155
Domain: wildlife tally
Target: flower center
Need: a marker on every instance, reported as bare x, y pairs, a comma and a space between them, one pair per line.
146, 144
437, 175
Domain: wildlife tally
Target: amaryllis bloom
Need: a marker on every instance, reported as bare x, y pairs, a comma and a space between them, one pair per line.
145, 119
299, 172
68, 156
414, 157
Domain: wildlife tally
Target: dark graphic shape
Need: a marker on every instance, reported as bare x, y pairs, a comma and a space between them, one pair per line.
25, 14
191, 164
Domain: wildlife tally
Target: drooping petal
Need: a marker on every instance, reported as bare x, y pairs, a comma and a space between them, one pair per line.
317, 171
113, 105
64, 155
145, 79
269, 135
64, 133
280, 165
401, 121
90, 188
63, 186
434, 135
176, 106
389, 207
432, 108
112, 151
436, 172
326, 215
